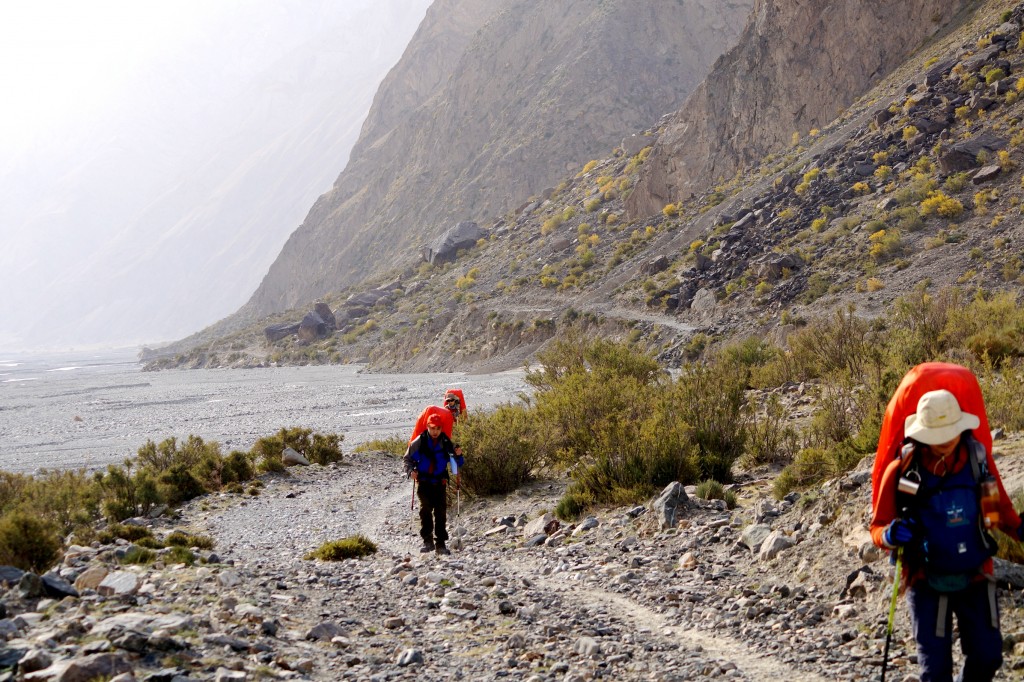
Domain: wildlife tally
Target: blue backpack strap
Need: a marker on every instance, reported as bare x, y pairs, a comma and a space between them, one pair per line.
978, 458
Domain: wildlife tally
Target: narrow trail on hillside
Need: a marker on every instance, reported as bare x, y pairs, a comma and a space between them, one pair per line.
717, 646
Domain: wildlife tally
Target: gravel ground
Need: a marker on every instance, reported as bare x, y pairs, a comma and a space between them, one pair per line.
624, 600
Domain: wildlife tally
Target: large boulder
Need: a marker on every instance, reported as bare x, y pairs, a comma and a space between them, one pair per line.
276, 332
963, 156
670, 505
84, 669
365, 299
325, 313
443, 249
312, 327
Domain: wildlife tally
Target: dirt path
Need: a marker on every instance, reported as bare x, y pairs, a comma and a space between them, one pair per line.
368, 495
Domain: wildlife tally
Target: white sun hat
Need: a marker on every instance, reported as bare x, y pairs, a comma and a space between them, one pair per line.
939, 419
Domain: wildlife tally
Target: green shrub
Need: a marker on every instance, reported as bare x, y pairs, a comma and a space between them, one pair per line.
573, 503
130, 533
770, 439
28, 542
181, 539
177, 484
178, 555
500, 448
710, 490
237, 468
394, 445
1011, 549
352, 547
730, 499
710, 400
317, 448
120, 493
138, 555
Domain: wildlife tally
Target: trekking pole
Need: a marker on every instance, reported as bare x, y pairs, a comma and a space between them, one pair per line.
892, 609
412, 502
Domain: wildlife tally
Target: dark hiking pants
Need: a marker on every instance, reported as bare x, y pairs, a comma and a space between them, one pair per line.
977, 618
433, 512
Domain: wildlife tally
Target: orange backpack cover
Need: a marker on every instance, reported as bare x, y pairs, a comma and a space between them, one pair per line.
447, 421
929, 376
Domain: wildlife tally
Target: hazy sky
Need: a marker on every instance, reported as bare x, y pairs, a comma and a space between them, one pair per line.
154, 156
64, 62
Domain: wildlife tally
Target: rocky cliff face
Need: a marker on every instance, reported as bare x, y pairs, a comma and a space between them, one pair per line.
492, 103
796, 66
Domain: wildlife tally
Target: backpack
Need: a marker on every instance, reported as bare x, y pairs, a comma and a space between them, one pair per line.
954, 542
925, 377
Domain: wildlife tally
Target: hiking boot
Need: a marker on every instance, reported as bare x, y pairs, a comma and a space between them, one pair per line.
427, 547
441, 549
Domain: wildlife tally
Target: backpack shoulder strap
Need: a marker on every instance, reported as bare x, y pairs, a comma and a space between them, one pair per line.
977, 458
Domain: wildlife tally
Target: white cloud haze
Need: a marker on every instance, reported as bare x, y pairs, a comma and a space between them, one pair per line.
154, 157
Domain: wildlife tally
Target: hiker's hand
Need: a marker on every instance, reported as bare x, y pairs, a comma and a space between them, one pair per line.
458, 451
899, 532
414, 475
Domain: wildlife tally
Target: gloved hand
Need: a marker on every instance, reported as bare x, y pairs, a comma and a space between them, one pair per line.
900, 532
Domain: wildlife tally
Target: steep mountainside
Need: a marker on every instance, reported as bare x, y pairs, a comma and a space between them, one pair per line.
917, 184
518, 92
795, 68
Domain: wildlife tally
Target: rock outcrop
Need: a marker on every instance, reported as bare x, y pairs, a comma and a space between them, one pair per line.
795, 67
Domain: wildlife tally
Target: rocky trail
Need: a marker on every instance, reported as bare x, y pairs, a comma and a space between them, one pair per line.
766, 591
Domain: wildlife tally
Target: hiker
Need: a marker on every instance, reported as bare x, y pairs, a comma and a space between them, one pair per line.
426, 462
936, 495
455, 401
453, 411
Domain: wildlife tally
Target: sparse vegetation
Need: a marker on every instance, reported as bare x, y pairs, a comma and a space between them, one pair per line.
352, 547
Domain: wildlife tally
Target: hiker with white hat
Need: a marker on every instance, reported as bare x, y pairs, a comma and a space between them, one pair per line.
936, 505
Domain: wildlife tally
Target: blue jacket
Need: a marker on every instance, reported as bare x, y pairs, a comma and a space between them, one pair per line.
429, 457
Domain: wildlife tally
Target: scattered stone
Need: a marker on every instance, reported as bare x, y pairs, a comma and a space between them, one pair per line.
292, 458
444, 249
35, 659
58, 588
773, 545
986, 173
538, 525
410, 657
326, 631
754, 536
655, 265
670, 505
119, 583
587, 646
83, 669
312, 328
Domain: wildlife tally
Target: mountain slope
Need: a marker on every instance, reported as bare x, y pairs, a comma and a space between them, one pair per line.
524, 91
848, 216
796, 66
